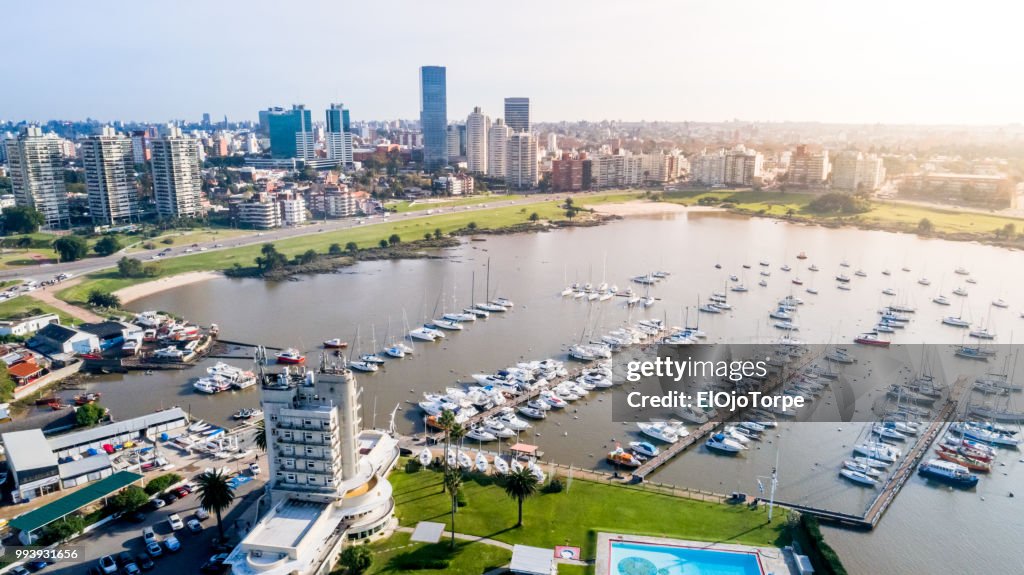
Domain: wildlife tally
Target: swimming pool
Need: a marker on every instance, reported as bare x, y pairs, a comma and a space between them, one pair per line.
633, 558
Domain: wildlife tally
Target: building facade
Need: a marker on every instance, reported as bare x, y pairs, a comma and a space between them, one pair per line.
434, 116
109, 163
855, 171
177, 180
497, 145
339, 135
36, 163
570, 174
478, 127
521, 161
291, 133
517, 114
807, 168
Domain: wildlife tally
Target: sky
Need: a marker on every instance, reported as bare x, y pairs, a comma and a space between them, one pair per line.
893, 61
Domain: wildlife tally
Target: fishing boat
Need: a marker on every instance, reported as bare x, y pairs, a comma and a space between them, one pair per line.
335, 343
871, 338
622, 457
83, 399
949, 473
644, 448
967, 461
858, 477
290, 356
724, 444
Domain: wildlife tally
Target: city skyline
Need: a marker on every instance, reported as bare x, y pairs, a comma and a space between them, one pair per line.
658, 62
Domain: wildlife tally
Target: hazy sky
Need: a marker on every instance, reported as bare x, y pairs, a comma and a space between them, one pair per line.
887, 61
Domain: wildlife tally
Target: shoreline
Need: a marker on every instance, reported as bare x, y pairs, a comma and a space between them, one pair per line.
640, 207
138, 291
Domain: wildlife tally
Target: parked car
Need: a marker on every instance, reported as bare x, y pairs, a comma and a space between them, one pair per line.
182, 492
202, 514
169, 497
175, 522
131, 569
172, 544
154, 549
137, 516
148, 535
215, 565
124, 558
194, 525
108, 565
34, 566
19, 570
156, 504
144, 562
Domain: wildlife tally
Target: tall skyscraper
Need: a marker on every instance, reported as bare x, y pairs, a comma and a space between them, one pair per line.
339, 135
109, 165
517, 114
521, 161
497, 143
36, 162
291, 133
478, 125
434, 116
177, 181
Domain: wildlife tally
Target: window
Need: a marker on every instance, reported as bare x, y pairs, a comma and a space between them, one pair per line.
290, 477
309, 437
310, 465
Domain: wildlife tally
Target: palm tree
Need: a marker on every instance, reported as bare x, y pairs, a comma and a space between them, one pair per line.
261, 435
215, 494
446, 422
519, 485
452, 482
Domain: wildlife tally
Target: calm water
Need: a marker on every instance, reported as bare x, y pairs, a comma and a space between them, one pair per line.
928, 529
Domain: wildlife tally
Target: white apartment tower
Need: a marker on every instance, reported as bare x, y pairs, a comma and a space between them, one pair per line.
521, 161
177, 181
109, 163
497, 143
478, 126
36, 163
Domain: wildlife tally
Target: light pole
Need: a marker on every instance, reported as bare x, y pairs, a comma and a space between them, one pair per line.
774, 477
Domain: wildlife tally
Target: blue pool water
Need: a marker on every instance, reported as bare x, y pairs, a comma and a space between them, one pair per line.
628, 558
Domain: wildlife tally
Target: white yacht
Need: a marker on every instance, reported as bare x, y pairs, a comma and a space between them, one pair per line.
659, 430
724, 444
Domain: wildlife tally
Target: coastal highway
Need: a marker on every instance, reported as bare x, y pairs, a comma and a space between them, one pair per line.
92, 264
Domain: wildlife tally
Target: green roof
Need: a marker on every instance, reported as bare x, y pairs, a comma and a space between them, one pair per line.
70, 503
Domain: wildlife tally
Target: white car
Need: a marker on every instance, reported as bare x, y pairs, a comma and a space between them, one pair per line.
148, 535
108, 565
175, 522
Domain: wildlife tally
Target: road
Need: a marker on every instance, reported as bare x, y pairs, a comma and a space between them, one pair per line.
89, 265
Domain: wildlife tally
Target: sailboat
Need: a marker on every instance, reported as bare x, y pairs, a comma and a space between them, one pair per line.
494, 306
361, 365
372, 357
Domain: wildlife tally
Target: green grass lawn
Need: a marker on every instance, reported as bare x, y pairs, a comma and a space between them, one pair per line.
575, 516
15, 258
433, 204
23, 306
396, 555
364, 236
564, 569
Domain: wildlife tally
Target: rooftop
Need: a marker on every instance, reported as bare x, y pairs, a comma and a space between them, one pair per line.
106, 431
28, 450
70, 503
291, 520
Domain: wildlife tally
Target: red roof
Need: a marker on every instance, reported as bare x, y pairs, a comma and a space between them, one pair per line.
524, 448
24, 369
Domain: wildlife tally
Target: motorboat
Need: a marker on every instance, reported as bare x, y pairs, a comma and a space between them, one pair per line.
508, 418
644, 448
553, 400
962, 271
539, 405
532, 412
659, 430
335, 343
889, 291
960, 458
290, 356
941, 300
724, 444
858, 477
925, 281
949, 473
622, 457
871, 338
477, 433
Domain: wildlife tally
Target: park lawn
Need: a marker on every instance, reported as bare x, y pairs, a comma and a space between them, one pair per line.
434, 203
575, 516
184, 238
364, 236
469, 558
564, 569
18, 258
24, 305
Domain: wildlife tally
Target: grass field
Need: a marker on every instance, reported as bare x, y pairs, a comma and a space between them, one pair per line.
433, 204
574, 570
21, 306
183, 238
396, 555
575, 516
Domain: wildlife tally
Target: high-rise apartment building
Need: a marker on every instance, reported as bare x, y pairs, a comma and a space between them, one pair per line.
453, 143
434, 116
36, 163
140, 147
339, 135
177, 180
808, 169
521, 161
478, 126
854, 171
708, 168
109, 164
517, 114
291, 133
497, 144
743, 167
570, 174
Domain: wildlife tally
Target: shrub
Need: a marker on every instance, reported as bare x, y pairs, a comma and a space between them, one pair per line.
103, 299
413, 466
162, 482
167, 241
129, 499
107, 245
89, 414
460, 498
554, 486
61, 530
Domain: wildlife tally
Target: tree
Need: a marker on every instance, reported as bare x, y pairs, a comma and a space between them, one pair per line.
129, 499
383, 243
271, 258
568, 203
395, 239
356, 559
446, 422
570, 213
334, 250
107, 245
215, 494
520, 485
471, 226
70, 248
22, 220
308, 257
351, 247
261, 435
925, 226
437, 233
134, 268
62, 530
89, 414
534, 217
6, 384
453, 482
104, 299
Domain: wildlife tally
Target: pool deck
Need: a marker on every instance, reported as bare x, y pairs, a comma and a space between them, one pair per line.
773, 560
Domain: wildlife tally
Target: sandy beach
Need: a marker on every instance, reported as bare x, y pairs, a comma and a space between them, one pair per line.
646, 208
144, 289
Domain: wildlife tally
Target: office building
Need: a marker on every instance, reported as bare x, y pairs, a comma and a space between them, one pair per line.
177, 180
497, 144
338, 136
478, 125
434, 116
517, 114
36, 166
453, 143
291, 133
521, 161
328, 484
109, 163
